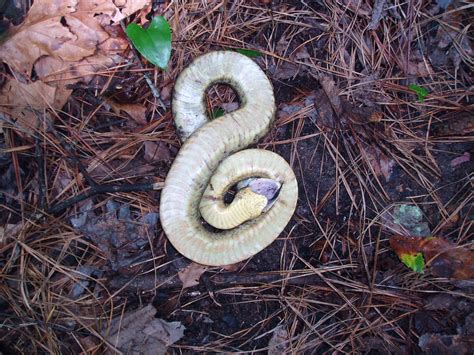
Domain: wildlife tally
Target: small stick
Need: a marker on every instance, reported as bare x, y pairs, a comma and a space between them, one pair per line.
103, 189
146, 283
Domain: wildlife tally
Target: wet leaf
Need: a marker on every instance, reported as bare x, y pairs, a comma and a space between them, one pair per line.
420, 91
190, 275
154, 43
444, 258
251, 53
139, 332
414, 262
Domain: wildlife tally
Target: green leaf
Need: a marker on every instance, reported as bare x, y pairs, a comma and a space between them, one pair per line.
154, 43
217, 112
414, 262
420, 91
248, 52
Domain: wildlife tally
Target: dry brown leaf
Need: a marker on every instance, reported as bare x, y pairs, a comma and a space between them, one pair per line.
191, 274
332, 93
51, 28
140, 332
136, 111
155, 152
22, 100
233, 267
65, 42
55, 71
380, 163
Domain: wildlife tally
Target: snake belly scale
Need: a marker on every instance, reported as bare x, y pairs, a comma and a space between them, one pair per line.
211, 160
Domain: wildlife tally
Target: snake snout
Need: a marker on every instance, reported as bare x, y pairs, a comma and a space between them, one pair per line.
266, 187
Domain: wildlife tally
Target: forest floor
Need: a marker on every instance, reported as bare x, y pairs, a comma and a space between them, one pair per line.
375, 116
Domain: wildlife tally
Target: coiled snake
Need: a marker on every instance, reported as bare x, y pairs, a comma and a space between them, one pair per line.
211, 161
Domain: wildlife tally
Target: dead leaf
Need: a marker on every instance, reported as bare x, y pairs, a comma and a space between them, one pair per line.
286, 70
24, 102
455, 124
444, 344
121, 239
451, 30
332, 93
416, 65
56, 71
165, 92
65, 42
445, 258
233, 267
380, 163
191, 274
279, 341
155, 152
140, 332
461, 159
136, 111
439, 301
51, 28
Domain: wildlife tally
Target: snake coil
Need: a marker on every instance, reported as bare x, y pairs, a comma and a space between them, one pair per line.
211, 161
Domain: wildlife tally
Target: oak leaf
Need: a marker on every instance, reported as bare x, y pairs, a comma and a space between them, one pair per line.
63, 42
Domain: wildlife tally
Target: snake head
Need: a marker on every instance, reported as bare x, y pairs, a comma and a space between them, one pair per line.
265, 187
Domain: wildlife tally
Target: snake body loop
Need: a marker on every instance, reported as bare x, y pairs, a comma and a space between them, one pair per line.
211, 161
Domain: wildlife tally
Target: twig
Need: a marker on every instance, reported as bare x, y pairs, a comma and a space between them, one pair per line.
40, 162
103, 189
148, 80
150, 282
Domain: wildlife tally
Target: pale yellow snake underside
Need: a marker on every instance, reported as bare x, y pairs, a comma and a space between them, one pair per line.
211, 161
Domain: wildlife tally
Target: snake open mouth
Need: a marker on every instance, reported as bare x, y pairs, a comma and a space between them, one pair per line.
264, 187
